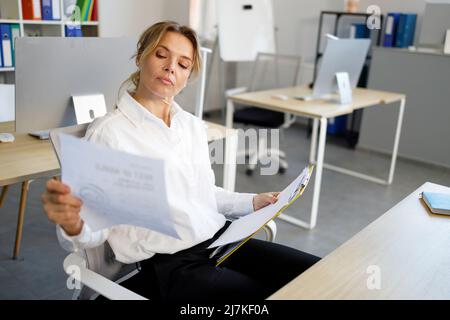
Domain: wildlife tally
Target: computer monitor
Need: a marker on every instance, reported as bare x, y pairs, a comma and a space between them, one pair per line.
341, 55
436, 22
50, 70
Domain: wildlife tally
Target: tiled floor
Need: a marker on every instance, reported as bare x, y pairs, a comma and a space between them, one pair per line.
347, 205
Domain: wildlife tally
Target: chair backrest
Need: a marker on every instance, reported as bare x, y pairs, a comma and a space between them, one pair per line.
200, 98
77, 131
272, 70
101, 259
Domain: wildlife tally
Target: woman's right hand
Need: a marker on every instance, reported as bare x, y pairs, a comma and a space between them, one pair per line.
62, 208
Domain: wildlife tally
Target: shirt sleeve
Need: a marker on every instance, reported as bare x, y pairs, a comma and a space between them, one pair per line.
85, 240
233, 203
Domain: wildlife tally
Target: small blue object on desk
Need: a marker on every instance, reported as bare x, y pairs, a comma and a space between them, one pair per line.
438, 203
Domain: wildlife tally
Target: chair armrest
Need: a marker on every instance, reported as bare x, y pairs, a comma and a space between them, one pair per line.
107, 288
233, 91
271, 231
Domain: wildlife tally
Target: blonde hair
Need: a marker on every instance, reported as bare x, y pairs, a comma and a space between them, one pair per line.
150, 39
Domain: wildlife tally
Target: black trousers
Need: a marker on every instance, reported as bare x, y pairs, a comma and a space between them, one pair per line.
254, 272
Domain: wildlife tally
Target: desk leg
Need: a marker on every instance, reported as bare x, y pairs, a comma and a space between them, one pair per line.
231, 146
229, 114
313, 148
23, 204
3, 196
363, 176
396, 141
319, 169
229, 167
318, 180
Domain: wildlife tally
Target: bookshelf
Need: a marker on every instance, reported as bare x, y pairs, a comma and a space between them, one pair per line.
11, 12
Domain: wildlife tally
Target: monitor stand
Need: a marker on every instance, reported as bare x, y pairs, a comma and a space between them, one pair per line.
342, 96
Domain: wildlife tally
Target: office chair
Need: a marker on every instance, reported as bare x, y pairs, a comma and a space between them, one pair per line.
96, 269
269, 71
99, 271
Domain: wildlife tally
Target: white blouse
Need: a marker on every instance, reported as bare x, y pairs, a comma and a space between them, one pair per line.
197, 205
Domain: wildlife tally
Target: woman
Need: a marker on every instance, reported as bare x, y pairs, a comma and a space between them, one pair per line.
147, 121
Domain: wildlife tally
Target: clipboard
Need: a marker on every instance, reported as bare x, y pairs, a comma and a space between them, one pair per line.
226, 251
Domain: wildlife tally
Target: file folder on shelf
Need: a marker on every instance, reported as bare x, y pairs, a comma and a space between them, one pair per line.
47, 10
406, 30
390, 30
83, 5
31, 9
1, 55
56, 10
91, 10
95, 11
73, 31
5, 33
15, 33
359, 30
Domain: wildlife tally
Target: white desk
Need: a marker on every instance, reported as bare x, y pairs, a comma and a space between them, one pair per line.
320, 111
408, 245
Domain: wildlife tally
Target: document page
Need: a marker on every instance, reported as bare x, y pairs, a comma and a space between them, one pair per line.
116, 187
249, 224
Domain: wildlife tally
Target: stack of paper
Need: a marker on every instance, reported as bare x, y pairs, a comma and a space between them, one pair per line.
244, 228
116, 187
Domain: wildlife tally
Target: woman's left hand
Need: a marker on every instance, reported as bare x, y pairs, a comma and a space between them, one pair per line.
264, 199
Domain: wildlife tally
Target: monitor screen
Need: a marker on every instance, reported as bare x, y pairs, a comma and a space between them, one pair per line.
343, 55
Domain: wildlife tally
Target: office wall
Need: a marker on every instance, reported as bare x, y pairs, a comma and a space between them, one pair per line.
131, 17
120, 18
296, 20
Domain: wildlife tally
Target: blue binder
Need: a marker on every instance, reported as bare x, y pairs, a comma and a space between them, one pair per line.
6, 45
390, 29
1, 55
406, 30
73, 31
337, 125
360, 30
47, 10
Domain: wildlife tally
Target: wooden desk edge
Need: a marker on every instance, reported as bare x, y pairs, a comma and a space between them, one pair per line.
385, 97
48, 174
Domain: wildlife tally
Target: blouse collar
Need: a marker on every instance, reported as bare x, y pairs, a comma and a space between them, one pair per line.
137, 113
